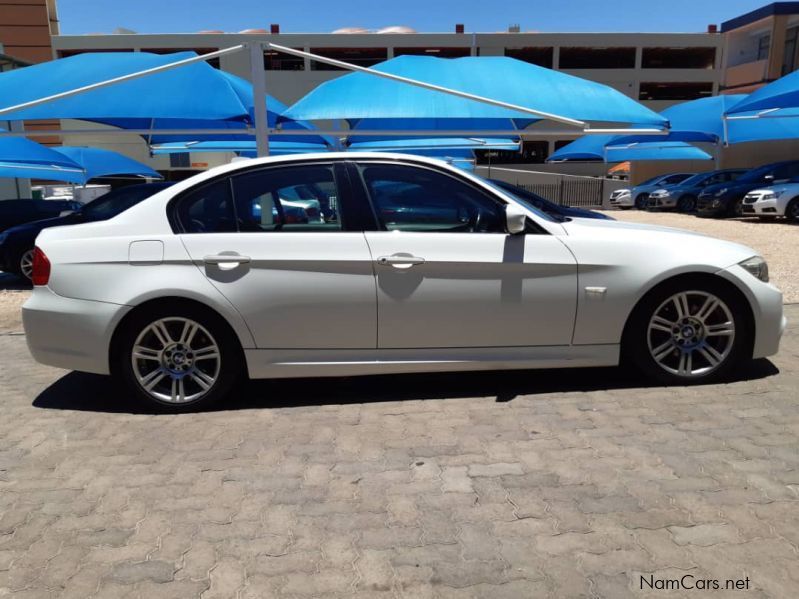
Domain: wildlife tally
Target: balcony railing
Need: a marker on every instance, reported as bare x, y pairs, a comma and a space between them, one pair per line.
744, 74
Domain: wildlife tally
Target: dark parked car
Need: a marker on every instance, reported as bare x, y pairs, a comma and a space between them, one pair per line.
547, 206
16, 212
16, 243
726, 199
682, 196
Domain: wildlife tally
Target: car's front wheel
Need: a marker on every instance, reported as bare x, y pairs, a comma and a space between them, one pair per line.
688, 332
792, 211
177, 359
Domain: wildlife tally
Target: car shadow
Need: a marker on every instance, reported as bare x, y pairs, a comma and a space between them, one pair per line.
95, 393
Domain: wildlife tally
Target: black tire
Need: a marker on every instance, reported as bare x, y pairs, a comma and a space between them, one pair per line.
686, 203
792, 211
736, 208
641, 201
638, 340
213, 330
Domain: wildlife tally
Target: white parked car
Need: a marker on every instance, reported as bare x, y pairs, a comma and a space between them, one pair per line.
422, 267
621, 198
780, 200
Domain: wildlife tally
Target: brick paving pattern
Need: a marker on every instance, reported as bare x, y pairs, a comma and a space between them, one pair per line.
533, 484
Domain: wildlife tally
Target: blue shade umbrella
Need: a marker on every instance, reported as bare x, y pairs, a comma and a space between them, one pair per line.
22, 158
245, 147
98, 162
702, 120
609, 149
780, 94
193, 91
357, 96
227, 128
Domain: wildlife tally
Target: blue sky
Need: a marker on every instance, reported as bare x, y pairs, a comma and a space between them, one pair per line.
156, 16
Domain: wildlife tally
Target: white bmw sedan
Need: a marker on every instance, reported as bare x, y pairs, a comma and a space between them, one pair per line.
405, 265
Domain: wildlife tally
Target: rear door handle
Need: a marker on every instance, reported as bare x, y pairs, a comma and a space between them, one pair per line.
226, 259
400, 260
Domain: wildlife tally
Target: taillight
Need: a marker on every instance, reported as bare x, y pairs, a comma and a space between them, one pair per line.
41, 268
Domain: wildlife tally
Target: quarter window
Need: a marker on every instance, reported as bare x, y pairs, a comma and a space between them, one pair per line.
421, 200
299, 198
208, 209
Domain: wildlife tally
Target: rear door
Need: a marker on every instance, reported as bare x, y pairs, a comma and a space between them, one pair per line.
449, 276
280, 244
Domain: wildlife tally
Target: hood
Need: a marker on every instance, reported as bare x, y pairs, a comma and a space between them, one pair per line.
33, 228
736, 185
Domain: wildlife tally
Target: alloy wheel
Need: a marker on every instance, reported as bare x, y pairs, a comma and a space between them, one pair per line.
26, 264
176, 360
793, 211
691, 334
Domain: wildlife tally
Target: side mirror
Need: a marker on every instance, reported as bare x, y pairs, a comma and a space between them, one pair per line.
515, 219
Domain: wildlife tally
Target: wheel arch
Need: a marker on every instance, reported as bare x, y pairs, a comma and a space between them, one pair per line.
114, 347
687, 279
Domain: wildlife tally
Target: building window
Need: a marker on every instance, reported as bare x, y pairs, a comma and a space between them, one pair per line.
180, 160
534, 55
789, 56
280, 61
364, 57
439, 52
678, 58
597, 58
675, 91
763, 44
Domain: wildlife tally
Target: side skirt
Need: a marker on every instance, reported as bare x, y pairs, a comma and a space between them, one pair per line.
275, 363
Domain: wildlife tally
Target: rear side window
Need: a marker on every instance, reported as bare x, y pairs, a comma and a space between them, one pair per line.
302, 198
207, 209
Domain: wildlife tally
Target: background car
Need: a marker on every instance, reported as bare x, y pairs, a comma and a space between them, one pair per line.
179, 301
726, 199
16, 212
16, 243
682, 196
547, 206
640, 193
621, 198
770, 202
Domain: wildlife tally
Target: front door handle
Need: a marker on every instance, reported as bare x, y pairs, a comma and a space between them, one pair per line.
400, 260
226, 259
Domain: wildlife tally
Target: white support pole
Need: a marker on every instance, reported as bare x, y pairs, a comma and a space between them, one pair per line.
337, 132
123, 78
453, 92
258, 76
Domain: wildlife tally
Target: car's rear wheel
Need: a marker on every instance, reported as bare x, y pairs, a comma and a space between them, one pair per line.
686, 204
736, 208
792, 211
26, 264
178, 359
688, 332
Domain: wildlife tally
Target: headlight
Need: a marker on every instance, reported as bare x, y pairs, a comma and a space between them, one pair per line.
769, 196
757, 267
721, 192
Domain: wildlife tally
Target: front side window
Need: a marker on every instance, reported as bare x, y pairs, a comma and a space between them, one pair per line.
292, 198
418, 199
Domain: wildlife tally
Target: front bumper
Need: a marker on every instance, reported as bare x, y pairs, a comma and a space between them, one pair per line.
70, 333
622, 201
662, 202
710, 206
763, 208
766, 303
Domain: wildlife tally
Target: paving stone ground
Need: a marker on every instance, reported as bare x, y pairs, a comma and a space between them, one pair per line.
532, 484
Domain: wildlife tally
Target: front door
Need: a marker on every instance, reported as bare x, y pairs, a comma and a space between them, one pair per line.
448, 275
276, 244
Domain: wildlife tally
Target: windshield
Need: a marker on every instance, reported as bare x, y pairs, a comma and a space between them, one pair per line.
524, 202
652, 180
117, 201
756, 174
695, 179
